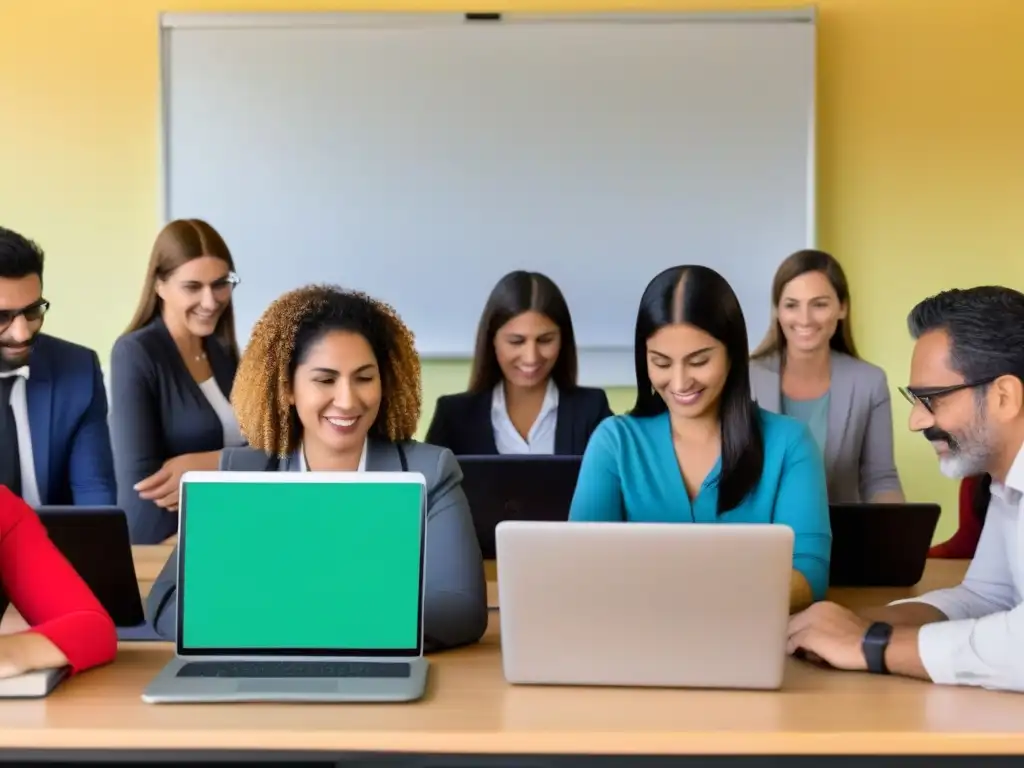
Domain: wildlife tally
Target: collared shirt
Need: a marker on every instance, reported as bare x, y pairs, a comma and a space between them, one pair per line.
982, 644
304, 465
540, 440
19, 406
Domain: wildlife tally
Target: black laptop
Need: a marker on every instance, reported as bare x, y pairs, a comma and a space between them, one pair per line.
95, 541
880, 545
517, 487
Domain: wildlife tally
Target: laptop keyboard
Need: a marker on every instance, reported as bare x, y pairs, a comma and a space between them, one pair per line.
296, 669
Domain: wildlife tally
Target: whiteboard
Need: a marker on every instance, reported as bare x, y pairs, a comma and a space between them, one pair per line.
421, 157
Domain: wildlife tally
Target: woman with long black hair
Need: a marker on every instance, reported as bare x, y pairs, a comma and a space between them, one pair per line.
696, 447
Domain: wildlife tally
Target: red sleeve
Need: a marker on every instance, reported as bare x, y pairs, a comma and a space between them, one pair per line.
47, 592
963, 543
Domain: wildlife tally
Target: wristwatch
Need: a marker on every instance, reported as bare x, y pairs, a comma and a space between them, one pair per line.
876, 640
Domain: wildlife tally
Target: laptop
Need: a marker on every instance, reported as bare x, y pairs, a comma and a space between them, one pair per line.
298, 587
517, 487
644, 604
880, 545
95, 541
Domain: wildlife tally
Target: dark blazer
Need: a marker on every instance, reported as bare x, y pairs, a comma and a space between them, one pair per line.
158, 412
462, 422
859, 444
67, 415
455, 590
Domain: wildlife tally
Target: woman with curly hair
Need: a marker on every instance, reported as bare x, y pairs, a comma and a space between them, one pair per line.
330, 381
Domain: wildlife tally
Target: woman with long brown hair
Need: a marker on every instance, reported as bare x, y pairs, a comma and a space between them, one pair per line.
171, 376
808, 368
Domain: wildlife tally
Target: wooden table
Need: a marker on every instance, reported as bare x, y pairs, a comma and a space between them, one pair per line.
470, 709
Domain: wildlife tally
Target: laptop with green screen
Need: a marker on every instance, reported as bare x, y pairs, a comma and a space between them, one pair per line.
303, 586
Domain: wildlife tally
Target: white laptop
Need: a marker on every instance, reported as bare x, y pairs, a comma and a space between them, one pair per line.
304, 587
644, 604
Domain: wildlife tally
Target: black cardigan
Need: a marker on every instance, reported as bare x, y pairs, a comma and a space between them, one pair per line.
158, 412
462, 422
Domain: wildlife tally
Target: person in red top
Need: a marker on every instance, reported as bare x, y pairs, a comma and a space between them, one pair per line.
67, 625
974, 496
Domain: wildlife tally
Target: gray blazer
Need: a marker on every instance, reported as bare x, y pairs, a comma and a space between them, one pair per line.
859, 446
455, 599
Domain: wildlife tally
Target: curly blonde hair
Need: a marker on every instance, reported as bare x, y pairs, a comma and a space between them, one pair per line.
282, 335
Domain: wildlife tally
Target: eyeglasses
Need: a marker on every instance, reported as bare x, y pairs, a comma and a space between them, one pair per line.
226, 284
32, 313
927, 395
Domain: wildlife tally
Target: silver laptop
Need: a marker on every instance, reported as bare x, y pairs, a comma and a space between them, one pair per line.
300, 587
644, 604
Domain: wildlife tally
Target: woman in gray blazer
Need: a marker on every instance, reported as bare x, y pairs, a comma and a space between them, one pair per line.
807, 368
330, 381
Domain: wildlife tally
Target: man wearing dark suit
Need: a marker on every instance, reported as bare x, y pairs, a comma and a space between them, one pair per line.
54, 441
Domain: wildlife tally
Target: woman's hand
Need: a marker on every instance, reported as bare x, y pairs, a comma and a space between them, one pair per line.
162, 486
27, 651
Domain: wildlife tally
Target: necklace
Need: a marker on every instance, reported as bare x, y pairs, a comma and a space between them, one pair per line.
200, 358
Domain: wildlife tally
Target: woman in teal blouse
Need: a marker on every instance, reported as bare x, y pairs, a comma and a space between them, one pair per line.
696, 447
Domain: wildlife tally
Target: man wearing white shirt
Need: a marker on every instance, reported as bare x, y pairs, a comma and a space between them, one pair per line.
967, 391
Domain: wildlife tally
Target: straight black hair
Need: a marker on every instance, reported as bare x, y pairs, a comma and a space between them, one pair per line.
516, 293
701, 297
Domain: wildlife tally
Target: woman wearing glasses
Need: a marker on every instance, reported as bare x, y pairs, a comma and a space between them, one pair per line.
171, 376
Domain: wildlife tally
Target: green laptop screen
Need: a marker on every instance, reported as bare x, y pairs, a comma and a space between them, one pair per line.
301, 565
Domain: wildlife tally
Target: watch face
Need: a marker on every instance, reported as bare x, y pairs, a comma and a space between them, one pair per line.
880, 631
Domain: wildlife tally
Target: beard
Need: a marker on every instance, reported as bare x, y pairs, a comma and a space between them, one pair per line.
8, 361
969, 450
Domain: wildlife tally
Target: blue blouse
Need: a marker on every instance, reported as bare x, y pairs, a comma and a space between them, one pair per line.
630, 473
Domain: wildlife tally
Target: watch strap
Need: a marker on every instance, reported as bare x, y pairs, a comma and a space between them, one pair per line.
876, 641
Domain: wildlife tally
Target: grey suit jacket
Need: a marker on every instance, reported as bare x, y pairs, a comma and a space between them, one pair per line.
455, 599
859, 445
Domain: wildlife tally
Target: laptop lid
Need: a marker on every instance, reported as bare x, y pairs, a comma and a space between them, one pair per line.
517, 487
94, 540
301, 564
880, 545
644, 604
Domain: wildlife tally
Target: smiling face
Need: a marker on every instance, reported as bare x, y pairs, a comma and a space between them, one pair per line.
196, 294
809, 312
337, 392
21, 318
527, 348
688, 369
957, 424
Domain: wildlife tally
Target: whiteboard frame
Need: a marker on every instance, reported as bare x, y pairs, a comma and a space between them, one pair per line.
598, 366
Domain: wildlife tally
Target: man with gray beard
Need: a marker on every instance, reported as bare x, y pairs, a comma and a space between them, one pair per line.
967, 393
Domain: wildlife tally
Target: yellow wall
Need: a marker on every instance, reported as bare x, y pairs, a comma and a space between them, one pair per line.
921, 170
